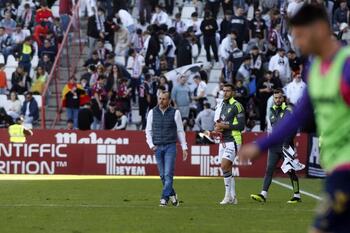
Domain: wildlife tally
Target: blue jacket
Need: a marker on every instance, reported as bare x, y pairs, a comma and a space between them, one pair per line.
33, 109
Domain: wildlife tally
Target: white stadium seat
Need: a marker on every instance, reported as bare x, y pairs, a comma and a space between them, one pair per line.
21, 98
2, 59
3, 100
9, 70
109, 46
187, 12
38, 99
35, 61
11, 61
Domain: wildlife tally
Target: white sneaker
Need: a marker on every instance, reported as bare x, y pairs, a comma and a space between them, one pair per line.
174, 200
235, 201
226, 201
163, 203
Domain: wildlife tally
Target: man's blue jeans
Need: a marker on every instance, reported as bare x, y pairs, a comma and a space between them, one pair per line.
72, 114
166, 156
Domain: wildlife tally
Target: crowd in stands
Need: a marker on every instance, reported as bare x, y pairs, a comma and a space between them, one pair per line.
134, 47
29, 39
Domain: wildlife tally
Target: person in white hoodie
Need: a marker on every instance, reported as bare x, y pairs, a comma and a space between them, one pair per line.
159, 17
126, 19
280, 62
295, 89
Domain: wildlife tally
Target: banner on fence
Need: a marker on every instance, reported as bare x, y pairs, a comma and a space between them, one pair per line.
314, 166
116, 153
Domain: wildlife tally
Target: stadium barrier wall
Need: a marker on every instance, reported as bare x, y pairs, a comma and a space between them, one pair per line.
118, 153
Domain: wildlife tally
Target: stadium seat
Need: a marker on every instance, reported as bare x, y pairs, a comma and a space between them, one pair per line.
38, 99
36, 48
35, 61
2, 59
187, 12
9, 70
21, 98
11, 61
55, 10
120, 60
215, 75
109, 46
3, 100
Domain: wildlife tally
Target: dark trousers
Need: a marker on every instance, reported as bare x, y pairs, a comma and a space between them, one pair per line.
227, 6
262, 114
134, 83
169, 6
213, 7
210, 42
274, 156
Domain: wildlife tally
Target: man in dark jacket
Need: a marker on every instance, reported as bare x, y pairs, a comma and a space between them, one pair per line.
85, 117
96, 29
209, 27
184, 51
240, 25
30, 109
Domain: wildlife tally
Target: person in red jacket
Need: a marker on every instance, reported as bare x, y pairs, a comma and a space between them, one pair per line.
43, 14
40, 31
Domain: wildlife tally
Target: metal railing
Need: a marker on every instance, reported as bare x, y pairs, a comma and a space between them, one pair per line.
65, 65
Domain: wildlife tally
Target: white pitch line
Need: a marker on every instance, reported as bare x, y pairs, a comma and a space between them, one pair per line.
301, 191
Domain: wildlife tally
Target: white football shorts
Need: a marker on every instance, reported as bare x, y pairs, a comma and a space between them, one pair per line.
229, 151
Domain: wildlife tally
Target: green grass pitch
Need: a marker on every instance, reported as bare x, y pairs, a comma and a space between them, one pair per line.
131, 206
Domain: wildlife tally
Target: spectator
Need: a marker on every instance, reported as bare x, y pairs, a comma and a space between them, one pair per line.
257, 61
73, 97
135, 65
213, 6
181, 97
294, 61
295, 89
184, 51
98, 101
13, 106
200, 93
57, 30
121, 40
3, 80
159, 17
8, 23
265, 90
40, 32
45, 63
26, 17
341, 14
244, 72
144, 99
138, 40
24, 54
70, 125
20, 81
126, 20
110, 117
48, 49
43, 14
209, 27
194, 26
95, 29
122, 121
280, 62
19, 35
38, 83
5, 42
94, 60
102, 52
5, 120
123, 96
9, 7
257, 27
178, 24
205, 119
85, 117
240, 25
226, 25
169, 49
30, 109
241, 93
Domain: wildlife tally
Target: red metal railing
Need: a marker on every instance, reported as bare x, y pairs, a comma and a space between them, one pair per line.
64, 66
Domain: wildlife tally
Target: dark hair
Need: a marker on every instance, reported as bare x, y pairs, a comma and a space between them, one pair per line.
207, 105
194, 14
70, 121
278, 91
229, 85
308, 14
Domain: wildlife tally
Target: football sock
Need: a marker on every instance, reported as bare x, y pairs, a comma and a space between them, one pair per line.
264, 193
295, 183
227, 181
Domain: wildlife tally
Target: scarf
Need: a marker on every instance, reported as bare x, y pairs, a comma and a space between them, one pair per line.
100, 20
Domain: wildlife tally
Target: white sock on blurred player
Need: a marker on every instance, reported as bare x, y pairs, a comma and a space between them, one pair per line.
228, 183
233, 187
